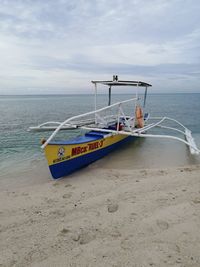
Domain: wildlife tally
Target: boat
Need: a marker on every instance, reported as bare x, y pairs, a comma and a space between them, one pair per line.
106, 129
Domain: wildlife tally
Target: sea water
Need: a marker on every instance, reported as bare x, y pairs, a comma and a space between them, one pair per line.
20, 150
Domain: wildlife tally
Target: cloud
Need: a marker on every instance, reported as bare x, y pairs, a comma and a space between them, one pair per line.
62, 44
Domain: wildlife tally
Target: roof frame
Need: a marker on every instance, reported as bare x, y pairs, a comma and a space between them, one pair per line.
123, 83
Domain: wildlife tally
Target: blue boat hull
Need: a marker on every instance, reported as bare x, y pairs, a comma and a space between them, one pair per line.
69, 166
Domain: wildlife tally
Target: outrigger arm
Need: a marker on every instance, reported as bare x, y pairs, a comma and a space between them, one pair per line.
190, 141
128, 129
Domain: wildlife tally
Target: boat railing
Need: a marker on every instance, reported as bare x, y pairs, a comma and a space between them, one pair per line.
70, 122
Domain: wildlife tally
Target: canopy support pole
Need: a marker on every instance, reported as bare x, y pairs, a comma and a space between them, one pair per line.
95, 101
145, 97
109, 97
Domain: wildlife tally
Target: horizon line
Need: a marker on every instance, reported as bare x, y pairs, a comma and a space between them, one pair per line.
61, 94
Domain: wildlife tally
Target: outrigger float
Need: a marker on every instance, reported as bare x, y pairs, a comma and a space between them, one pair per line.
106, 128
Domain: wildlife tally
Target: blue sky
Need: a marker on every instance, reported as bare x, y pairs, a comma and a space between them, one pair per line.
60, 46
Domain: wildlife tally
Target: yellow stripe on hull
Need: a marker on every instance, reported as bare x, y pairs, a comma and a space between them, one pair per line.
56, 153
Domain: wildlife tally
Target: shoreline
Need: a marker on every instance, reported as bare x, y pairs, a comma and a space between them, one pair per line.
137, 155
104, 217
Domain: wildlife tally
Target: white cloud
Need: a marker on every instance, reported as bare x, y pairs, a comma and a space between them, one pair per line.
47, 45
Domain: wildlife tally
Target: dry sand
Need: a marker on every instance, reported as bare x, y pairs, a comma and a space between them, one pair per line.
99, 217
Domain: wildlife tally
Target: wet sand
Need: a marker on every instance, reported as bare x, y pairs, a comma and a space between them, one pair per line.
103, 217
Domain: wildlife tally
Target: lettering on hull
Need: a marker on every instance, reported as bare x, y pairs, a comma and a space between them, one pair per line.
75, 151
89, 147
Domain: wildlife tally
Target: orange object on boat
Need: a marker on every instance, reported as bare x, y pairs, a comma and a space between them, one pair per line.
139, 117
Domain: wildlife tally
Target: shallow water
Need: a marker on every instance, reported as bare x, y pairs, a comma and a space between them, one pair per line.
20, 150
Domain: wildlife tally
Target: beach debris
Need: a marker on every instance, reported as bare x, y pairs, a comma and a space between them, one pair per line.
112, 207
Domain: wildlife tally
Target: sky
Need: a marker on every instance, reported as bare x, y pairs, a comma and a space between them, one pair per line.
53, 47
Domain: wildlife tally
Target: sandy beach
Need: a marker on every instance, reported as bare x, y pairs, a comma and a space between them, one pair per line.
98, 217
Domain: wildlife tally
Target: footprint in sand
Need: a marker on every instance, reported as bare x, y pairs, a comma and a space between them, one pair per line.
68, 185
196, 201
50, 200
64, 231
187, 169
133, 216
115, 234
162, 172
162, 201
126, 244
25, 194
57, 213
163, 225
83, 237
86, 238
112, 207
144, 172
67, 195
